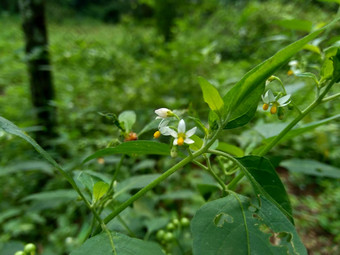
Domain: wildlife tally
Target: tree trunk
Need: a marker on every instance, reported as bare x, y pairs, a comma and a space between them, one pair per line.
41, 86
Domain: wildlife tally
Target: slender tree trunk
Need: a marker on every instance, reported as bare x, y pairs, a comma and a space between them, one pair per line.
41, 85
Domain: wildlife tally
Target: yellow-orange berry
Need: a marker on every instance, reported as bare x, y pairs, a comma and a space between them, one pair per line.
273, 110
132, 136
180, 141
265, 107
157, 134
290, 72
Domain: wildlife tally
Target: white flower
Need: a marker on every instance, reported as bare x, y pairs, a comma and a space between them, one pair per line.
181, 136
283, 101
163, 113
268, 97
275, 102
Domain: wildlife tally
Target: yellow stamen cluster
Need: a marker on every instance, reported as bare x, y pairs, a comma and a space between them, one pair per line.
180, 141
157, 134
273, 110
265, 107
290, 72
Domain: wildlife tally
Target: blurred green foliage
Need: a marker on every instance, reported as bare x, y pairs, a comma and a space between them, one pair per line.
101, 67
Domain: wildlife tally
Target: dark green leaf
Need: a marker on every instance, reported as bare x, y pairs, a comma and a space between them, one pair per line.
311, 167
233, 225
124, 245
134, 148
265, 181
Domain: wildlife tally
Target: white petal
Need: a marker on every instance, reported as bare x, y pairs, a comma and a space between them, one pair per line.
293, 63
175, 141
162, 112
165, 131
163, 123
284, 100
181, 126
172, 132
189, 141
191, 132
271, 97
157, 118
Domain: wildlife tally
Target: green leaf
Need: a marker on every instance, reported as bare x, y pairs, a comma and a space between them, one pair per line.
233, 225
231, 149
31, 165
265, 181
135, 182
99, 190
296, 24
128, 118
124, 245
257, 76
211, 96
311, 167
62, 194
331, 1
327, 68
139, 147
312, 48
245, 111
336, 66
198, 142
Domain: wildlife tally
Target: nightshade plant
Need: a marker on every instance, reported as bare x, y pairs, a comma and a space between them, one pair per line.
234, 223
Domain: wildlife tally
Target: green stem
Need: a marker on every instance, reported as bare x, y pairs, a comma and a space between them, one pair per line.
326, 99
216, 177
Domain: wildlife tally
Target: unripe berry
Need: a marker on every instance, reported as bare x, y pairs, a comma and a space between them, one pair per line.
160, 234
168, 236
185, 222
30, 247
175, 222
170, 226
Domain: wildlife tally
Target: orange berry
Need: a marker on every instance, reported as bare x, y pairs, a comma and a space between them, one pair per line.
273, 110
157, 134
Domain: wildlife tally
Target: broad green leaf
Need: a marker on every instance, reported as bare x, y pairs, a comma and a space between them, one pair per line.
266, 182
124, 245
32, 165
128, 118
257, 76
135, 182
197, 144
234, 225
245, 111
211, 96
311, 167
327, 67
62, 194
99, 190
231, 149
139, 147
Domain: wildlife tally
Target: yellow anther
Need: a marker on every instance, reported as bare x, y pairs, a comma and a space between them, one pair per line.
180, 141
290, 72
157, 134
265, 107
273, 110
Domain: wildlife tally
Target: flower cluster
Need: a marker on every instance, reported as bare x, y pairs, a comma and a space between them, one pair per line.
270, 100
181, 136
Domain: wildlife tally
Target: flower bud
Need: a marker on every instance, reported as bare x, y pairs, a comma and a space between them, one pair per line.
174, 152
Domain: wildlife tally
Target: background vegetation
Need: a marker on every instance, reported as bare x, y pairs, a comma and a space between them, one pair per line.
113, 56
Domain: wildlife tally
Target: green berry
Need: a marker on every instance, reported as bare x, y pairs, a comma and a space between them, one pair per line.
175, 222
170, 226
30, 247
160, 234
185, 222
168, 236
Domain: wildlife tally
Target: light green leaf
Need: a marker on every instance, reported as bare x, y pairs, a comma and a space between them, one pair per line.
231, 149
266, 182
331, 1
139, 147
211, 96
99, 190
311, 167
128, 118
234, 225
312, 48
124, 245
327, 67
296, 24
62, 194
